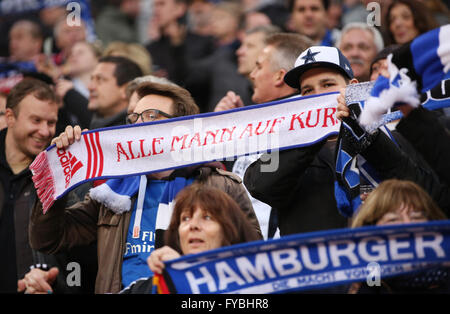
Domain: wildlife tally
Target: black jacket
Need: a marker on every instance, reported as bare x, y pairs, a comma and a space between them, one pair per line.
302, 188
430, 138
74, 112
17, 198
17, 195
390, 161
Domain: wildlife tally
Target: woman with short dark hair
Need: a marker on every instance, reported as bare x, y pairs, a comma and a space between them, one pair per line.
219, 206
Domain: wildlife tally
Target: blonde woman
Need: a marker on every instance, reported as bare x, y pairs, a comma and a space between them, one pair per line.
399, 202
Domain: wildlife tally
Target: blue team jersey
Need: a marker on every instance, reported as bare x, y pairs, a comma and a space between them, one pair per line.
138, 249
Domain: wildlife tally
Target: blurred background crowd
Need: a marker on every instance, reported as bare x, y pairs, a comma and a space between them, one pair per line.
202, 45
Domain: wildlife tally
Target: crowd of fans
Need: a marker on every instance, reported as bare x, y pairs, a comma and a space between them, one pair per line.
198, 56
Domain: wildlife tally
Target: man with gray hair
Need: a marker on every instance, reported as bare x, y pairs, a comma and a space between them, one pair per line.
277, 57
360, 43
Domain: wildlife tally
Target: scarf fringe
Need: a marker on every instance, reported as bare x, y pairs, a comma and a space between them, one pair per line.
118, 203
377, 106
43, 180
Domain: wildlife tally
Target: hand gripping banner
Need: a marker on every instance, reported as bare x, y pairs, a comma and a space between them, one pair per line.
131, 150
311, 260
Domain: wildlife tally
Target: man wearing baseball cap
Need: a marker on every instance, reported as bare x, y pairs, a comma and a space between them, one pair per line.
326, 63
302, 188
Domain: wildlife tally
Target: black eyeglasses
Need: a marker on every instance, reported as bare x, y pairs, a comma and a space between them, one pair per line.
147, 116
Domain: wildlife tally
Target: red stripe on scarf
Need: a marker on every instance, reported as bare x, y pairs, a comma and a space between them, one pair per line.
100, 151
89, 153
94, 149
160, 283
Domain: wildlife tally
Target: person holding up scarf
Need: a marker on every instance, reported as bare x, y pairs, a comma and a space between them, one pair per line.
127, 216
401, 202
301, 198
204, 218
302, 188
416, 81
423, 131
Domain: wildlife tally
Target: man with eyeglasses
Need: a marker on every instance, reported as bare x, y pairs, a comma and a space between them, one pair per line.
148, 115
122, 254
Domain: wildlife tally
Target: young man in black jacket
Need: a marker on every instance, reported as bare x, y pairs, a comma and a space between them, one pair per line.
302, 188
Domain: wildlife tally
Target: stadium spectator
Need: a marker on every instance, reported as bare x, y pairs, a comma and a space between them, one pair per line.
177, 46
379, 65
199, 17
252, 44
107, 90
132, 94
82, 60
226, 21
309, 18
407, 19
360, 43
273, 62
31, 114
402, 202
117, 22
66, 35
302, 187
25, 41
102, 220
204, 218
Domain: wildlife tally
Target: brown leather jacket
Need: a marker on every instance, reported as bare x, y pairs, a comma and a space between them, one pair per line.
87, 221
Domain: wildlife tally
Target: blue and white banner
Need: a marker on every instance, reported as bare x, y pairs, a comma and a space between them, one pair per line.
312, 260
